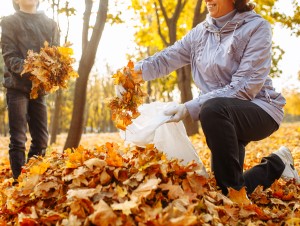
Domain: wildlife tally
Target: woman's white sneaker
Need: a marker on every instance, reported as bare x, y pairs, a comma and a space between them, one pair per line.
289, 172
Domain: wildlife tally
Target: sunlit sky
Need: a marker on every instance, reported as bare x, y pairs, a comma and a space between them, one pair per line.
117, 41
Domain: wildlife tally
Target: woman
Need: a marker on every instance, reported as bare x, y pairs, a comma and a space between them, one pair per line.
230, 57
24, 30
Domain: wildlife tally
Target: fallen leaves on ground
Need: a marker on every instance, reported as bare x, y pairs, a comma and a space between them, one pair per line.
115, 185
49, 69
138, 187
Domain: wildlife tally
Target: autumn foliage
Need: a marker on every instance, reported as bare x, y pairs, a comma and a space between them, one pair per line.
125, 107
115, 185
49, 69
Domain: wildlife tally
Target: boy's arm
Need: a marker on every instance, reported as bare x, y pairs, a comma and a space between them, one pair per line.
56, 35
11, 55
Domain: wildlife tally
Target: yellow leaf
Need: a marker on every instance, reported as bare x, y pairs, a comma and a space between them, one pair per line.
40, 168
125, 206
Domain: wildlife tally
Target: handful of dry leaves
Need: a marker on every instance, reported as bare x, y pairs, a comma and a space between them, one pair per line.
50, 69
125, 107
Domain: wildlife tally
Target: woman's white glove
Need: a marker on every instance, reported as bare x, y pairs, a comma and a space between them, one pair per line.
120, 90
138, 67
177, 113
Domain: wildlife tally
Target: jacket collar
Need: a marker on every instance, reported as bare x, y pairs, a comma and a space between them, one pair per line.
30, 15
238, 20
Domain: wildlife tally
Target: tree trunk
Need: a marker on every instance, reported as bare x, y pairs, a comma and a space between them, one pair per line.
149, 91
2, 125
86, 63
184, 85
55, 117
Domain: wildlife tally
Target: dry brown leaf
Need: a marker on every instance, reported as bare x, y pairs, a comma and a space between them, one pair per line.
145, 189
240, 197
103, 215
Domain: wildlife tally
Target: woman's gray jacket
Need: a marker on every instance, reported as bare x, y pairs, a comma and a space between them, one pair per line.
232, 61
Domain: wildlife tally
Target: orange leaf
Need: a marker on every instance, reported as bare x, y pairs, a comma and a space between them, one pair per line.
240, 197
130, 65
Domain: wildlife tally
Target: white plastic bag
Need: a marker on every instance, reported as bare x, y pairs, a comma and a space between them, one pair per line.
142, 130
171, 138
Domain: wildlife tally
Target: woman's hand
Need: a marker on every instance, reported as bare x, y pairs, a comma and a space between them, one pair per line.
177, 113
120, 90
137, 76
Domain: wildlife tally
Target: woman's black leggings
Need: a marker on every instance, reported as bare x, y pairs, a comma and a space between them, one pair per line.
229, 124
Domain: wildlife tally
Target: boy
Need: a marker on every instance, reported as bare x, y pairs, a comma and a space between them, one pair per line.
25, 29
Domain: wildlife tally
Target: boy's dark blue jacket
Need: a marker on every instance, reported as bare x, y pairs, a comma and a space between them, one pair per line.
22, 32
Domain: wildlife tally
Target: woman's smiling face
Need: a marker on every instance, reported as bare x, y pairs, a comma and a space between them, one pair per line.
218, 8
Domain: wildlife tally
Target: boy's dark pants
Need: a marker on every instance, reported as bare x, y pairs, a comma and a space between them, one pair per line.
229, 124
23, 111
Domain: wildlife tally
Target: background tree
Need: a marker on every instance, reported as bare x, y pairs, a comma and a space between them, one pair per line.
292, 21
68, 12
98, 115
89, 49
292, 107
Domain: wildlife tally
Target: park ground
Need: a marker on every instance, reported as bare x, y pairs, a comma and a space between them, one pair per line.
64, 188
287, 135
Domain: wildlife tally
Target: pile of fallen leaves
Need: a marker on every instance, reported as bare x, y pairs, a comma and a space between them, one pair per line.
109, 185
124, 108
49, 69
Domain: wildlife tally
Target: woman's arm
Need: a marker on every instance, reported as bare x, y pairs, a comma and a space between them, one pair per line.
167, 60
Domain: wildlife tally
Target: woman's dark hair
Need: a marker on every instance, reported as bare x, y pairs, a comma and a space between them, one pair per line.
17, 7
243, 5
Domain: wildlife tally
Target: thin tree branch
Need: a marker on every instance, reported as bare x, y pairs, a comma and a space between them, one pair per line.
166, 43
177, 12
98, 29
198, 16
164, 12
86, 23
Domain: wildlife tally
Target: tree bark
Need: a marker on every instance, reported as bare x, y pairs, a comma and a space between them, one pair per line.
198, 15
55, 117
184, 80
149, 92
86, 63
59, 95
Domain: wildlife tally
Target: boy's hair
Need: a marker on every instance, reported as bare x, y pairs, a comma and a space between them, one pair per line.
17, 7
